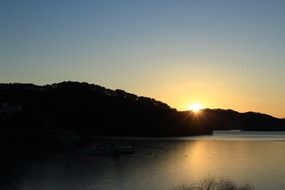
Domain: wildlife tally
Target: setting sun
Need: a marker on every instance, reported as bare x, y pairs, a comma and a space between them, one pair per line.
195, 107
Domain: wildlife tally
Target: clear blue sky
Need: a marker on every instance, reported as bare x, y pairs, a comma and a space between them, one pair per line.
222, 53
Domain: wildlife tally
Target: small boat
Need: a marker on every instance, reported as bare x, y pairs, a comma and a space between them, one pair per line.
110, 150
123, 150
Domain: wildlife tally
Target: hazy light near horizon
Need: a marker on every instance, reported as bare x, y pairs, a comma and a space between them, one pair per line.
195, 107
225, 54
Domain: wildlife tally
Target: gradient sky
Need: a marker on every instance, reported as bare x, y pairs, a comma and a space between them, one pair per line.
222, 53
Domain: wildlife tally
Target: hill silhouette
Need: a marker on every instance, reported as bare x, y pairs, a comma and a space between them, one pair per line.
70, 112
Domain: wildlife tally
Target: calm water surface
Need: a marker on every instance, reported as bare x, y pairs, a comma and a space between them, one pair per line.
257, 158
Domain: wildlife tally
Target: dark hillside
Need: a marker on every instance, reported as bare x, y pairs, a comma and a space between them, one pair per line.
80, 110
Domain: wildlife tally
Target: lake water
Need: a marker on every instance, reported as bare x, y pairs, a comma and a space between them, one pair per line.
161, 163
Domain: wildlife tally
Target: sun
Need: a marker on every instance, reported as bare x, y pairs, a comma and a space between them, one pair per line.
195, 107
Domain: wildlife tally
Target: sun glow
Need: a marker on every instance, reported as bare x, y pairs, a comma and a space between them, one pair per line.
195, 107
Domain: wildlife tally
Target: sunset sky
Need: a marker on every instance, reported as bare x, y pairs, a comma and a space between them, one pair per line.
221, 53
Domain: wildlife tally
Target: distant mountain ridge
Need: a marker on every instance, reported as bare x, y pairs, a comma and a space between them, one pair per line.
251, 121
74, 110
